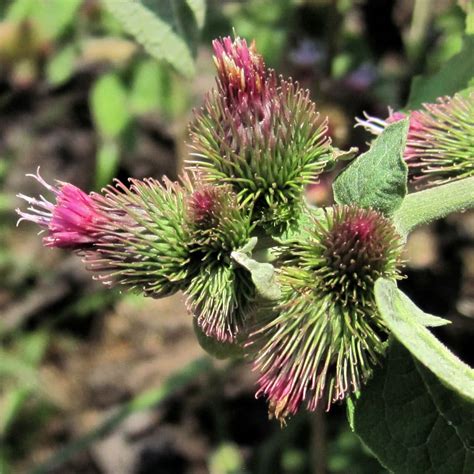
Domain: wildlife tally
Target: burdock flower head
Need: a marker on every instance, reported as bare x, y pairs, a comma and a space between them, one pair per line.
260, 134
72, 222
145, 246
327, 334
440, 140
220, 293
132, 237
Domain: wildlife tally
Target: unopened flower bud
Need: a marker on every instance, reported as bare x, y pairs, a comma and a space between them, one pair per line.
261, 135
220, 294
327, 334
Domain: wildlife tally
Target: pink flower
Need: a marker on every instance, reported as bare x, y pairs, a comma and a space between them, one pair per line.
395, 117
71, 222
241, 70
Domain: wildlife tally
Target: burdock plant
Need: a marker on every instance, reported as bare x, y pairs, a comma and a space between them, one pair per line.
308, 295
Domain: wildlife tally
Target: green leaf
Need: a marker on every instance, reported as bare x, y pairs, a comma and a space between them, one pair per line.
33, 347
198, 7
107, 163
411, 422
217, 349
226, 459
53, 16
452, 77
12, 403
154, 33
262, 274
470, 20
61, 66
343, 155
145, 93
403, 319
378, 178
19, 10
109, 105
156, 87
304, 227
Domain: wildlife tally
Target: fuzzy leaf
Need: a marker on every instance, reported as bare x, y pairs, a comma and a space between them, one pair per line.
154, 33
411, 422
403, 319
452, 77
343, 155
263, 274
377, 178
304, 225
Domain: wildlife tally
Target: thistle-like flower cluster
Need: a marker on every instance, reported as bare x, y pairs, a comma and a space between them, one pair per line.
258, 141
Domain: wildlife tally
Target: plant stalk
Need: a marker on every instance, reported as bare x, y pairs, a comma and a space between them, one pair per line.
434, 203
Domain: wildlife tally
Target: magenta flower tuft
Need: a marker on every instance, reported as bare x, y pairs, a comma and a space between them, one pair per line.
241, 72
204, 205
134, 237
72, 222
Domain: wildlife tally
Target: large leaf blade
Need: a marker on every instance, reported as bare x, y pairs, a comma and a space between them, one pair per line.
412, 422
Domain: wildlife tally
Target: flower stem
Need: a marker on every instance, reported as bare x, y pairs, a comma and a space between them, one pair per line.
434, 203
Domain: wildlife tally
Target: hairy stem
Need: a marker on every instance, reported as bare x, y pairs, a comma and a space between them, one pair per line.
434, 203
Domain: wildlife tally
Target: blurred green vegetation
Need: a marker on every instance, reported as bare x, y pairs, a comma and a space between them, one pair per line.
88, 98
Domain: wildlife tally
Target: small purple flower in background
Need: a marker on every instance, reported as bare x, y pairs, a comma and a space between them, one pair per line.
440, 140
72, 222
308, 53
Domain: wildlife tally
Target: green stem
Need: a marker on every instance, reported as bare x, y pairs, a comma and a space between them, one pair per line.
434, 203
